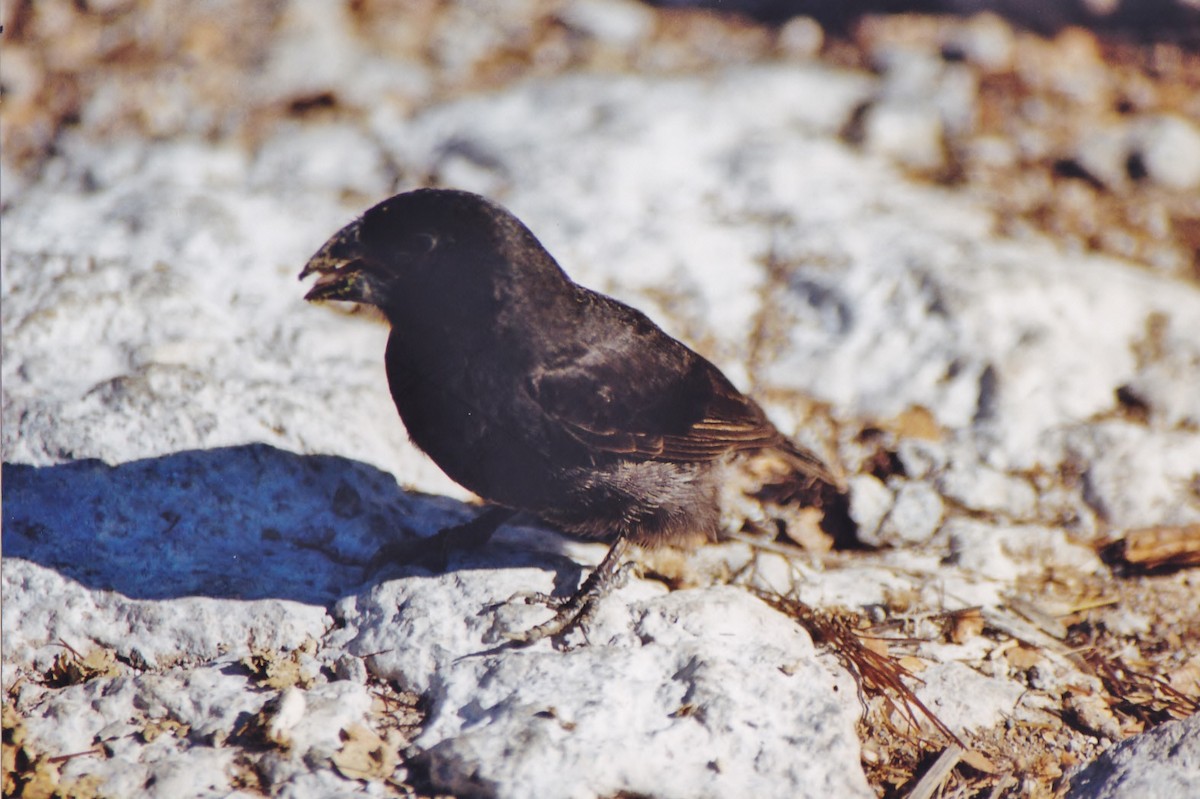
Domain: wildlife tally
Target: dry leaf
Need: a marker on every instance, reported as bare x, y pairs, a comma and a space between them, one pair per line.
280, 670
979, 761
1092, 714
1186, 678
364, 755
804, 528
877, 645
156, 727
70, 668
966, 625
14, 741
916, 422
1023, 657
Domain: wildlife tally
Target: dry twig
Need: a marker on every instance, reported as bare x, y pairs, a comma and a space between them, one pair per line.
875, 674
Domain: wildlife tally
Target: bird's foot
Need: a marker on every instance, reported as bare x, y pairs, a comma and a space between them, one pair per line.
434, 551
577, 610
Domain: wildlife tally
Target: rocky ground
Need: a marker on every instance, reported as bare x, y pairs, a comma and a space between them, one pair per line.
959, 255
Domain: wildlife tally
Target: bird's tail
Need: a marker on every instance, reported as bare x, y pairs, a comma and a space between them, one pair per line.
790, 491
810, 465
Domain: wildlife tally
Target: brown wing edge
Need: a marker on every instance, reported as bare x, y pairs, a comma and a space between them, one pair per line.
731, 422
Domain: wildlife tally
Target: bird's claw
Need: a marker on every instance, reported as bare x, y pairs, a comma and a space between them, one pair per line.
538, 598
569, 616
620, 577
575, 612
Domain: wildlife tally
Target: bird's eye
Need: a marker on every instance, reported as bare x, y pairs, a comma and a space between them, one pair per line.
424, 242
416, 244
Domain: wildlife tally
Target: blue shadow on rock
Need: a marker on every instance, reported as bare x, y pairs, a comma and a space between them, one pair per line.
246, 522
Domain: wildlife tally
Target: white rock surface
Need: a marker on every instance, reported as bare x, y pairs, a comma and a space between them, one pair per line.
1169, 148
621, 23
870, 500
916, 515
957, 691
1163, 762
711, 682
987, 490
1005, 552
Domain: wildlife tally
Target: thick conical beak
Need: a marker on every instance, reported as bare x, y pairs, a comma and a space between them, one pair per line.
339, 266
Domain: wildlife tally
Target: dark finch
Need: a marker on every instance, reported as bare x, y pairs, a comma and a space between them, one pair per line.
538, 394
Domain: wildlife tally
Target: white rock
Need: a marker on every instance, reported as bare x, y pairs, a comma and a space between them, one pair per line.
921, 458
801, 37
915, 516
982, 489
1103, 153
663, 687
44, 607
1169, 147
1006, 552
911, 134
1163, 382
1134, 472
1126, 622
621, 23
1164, 761
870, 501
315, 49
208, 701
966, 699
328, 709
332, 159
987, 40
287, 714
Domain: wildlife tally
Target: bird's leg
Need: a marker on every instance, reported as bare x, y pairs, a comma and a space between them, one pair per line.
434, 551
577, 610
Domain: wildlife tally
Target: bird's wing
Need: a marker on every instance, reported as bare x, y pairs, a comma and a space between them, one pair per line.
647, 396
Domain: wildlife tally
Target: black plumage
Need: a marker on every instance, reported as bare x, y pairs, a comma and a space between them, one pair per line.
534, 392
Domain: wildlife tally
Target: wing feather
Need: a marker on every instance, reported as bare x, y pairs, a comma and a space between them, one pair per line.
696, 415
644, 395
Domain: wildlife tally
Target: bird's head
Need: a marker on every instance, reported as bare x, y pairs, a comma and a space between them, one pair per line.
425, 252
